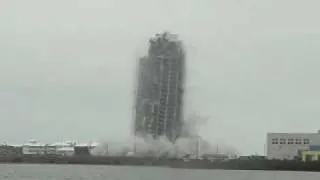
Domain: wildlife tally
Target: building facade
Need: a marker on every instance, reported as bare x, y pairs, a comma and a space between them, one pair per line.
33, 147
159, 93
290, 145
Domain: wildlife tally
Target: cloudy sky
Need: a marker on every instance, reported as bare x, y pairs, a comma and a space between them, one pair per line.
67, 66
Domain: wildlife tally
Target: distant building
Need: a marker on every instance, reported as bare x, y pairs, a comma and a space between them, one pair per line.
33, 147
50, 149
84, 149
58, 145
65, 151
215, 157
61, 148
81, 151
7, 151
159, 98
288, 145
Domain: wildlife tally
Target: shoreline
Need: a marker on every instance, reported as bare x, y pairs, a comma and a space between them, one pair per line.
236, 164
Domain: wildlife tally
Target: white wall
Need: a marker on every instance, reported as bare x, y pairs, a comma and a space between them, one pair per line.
35, 150
288, 149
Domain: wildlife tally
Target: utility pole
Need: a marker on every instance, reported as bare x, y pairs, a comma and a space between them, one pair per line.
134, 146
107, 150
197, 147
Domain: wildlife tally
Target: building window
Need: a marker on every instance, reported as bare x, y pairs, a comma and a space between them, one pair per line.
282, 141
306, 141
290, 141
298, 141
275, 141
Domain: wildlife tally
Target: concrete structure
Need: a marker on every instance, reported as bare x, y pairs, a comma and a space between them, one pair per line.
85, 148
61, 148
65, 151
62, 144
50, 150
159, 93
287, 145
82, 151
33, 147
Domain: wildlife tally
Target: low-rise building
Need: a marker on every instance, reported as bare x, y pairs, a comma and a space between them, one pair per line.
61, 144
81, 151
61, 148
9, 151
33, 147
65, 151
287, 145
215, 157
50, 150
85, 148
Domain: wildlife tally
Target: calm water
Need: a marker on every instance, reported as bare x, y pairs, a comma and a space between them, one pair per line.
81, 172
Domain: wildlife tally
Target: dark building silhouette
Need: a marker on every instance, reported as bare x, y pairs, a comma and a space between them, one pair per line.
82, 151
159, 93
8, 152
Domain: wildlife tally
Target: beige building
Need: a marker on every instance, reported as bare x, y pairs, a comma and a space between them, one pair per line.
287, 145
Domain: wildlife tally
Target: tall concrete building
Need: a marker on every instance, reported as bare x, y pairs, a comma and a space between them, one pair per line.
159, 93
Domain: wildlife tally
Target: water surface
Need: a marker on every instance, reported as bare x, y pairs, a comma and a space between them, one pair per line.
91, 172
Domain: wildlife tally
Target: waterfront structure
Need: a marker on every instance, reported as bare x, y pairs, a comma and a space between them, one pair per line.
159, 93
61, 148
68, 148
290, 145
33, 147
85, 149
65, 151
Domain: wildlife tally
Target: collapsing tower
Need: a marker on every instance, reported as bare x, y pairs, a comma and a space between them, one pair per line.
159, 93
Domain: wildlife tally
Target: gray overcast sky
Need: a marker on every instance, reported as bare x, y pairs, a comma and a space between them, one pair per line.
67, 66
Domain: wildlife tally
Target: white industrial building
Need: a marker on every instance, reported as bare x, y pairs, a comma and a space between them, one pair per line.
90, 145
287, 145
33, 147
65, 151
63, 144
63, 148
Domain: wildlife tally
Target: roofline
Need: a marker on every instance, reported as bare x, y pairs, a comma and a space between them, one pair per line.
292, 133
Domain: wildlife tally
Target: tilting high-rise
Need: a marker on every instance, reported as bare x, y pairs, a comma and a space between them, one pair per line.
159, 94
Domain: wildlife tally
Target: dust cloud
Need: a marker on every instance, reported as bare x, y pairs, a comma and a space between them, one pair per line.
190, 143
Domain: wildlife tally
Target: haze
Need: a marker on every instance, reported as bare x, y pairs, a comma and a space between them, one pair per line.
67, 66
